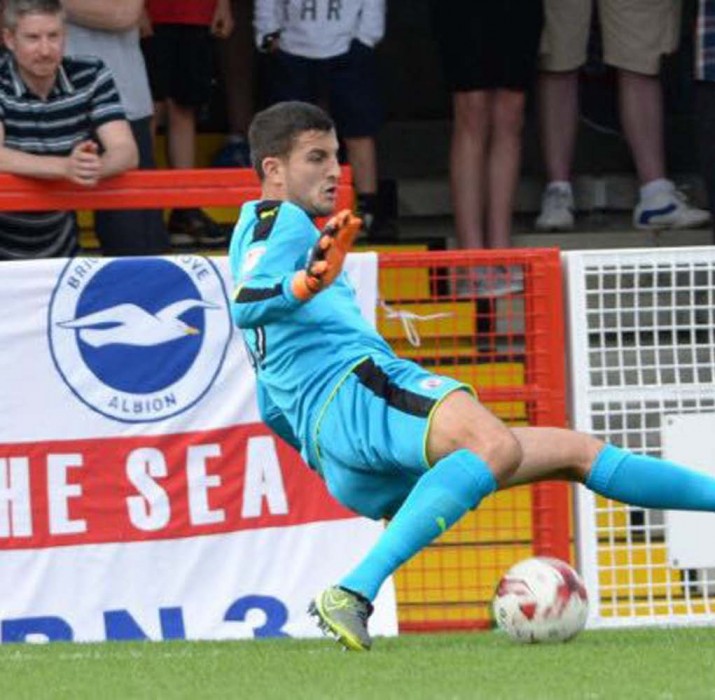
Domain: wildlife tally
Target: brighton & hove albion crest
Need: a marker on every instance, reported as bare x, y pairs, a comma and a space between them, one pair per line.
139, 339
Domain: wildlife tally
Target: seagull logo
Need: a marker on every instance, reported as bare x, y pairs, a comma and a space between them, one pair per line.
129, 324
142, 339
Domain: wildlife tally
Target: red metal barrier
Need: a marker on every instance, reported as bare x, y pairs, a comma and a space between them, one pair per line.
144, 189
510, 347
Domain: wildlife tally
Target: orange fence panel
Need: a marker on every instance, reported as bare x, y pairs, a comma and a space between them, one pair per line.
493, 319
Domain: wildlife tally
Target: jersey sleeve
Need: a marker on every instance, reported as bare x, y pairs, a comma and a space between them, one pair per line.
277, 249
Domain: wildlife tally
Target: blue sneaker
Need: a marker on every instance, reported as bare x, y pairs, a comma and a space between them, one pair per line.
234, 154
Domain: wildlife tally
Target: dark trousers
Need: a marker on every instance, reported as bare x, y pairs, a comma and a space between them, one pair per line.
134, 231
705, 113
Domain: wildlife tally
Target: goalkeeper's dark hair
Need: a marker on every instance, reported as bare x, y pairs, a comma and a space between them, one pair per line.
274, 130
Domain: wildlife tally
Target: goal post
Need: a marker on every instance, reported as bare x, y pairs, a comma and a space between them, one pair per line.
641, 327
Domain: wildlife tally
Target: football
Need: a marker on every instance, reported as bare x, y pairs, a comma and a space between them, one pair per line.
541, 599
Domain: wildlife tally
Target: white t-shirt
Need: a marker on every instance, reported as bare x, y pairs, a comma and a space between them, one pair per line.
319, 28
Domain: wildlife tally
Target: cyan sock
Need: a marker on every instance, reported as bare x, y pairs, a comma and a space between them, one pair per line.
650, 482
439, 499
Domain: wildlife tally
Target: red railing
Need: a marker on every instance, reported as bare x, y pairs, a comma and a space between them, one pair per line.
144, 189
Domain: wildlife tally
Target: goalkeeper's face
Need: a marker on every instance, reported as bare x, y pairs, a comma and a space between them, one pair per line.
311, 172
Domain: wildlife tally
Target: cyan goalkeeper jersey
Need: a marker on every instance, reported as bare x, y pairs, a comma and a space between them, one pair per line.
300, 351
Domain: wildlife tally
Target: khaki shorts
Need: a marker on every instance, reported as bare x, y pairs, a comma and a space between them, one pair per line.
636, 33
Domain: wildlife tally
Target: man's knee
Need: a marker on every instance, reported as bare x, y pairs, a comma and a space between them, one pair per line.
463, 423
497, 446
502, 452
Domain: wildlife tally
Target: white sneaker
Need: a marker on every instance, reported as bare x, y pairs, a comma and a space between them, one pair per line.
668, 209
556, 210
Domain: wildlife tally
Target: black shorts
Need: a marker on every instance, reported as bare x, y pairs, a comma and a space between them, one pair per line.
179, 60
348, 83
488, 44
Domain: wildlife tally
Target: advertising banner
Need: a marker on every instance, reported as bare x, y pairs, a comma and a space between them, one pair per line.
141, 497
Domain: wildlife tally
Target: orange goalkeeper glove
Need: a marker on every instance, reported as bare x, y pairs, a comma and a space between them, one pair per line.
328, 255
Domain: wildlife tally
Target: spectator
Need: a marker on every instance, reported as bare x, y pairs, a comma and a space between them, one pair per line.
110, 30
323, 52
635, 35
705, 95
59, 118
236, 66
489, 62
178, 50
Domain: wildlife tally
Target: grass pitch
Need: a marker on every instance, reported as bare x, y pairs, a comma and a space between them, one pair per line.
658, 663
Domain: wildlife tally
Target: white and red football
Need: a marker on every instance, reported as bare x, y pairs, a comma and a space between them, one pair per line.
541, 599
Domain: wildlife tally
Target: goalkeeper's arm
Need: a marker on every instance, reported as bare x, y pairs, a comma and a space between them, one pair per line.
327, 257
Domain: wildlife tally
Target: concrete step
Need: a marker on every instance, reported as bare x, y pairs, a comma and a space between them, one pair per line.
593, 231
610, 192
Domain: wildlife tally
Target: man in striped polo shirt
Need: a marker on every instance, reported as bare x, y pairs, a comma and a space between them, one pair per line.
60, 118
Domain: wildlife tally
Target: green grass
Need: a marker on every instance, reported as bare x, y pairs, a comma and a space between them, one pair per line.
660, 663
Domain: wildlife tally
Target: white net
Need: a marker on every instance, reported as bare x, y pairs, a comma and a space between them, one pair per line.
642, 346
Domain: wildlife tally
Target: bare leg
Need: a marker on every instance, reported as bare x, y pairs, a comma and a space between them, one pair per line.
461, 422
515, 455
504, 163
182, 135
363, 160
641, 109
468, 164
558, 112
553, 453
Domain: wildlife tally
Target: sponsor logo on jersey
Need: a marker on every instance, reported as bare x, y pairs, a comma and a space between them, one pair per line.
252, 257
431, 383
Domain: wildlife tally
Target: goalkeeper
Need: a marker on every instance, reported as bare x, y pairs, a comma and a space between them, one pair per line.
390, 439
